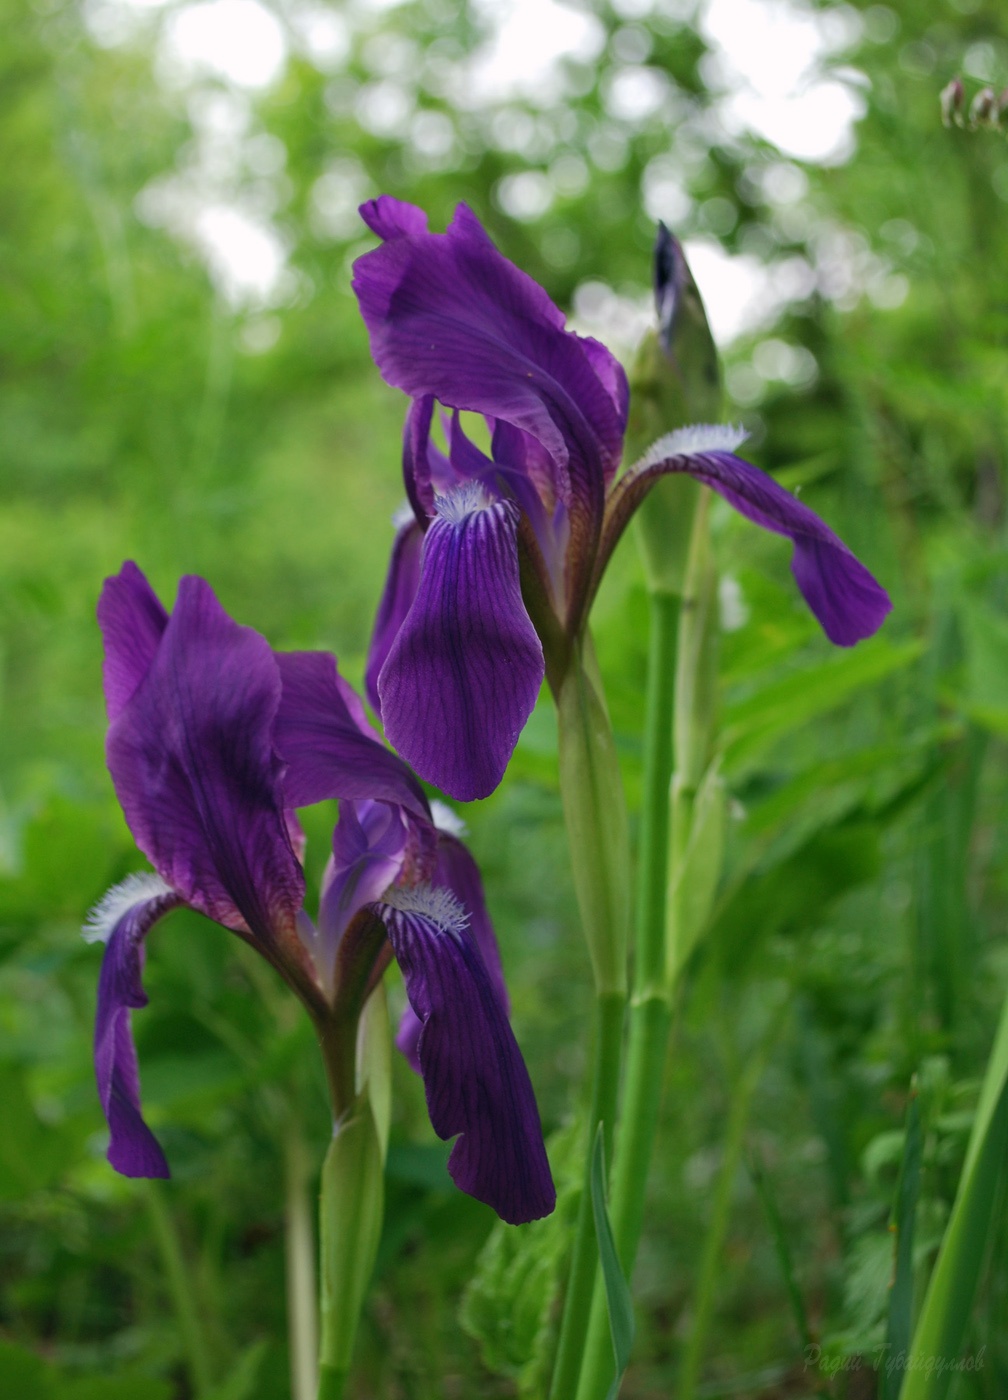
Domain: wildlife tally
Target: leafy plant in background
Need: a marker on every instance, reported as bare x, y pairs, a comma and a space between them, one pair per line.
864, 847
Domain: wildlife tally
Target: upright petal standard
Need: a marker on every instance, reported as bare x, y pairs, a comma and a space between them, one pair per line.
214, 740
452, 666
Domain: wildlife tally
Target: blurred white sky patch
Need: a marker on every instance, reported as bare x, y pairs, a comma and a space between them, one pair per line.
768, 59
246, 257
239, 40
771, 70
529, 39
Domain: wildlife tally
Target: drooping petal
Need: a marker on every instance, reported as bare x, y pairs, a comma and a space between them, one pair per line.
132, 622
194, 767
448, 315
464, 671
474, 1075
848, 602
457, 872
401, 586
122, 920
326, 753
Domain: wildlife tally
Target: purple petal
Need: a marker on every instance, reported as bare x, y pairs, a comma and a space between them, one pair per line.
392, 218
474, 1075
124, 917
327, 755
132, 622
457, 872
464, 671
449, 316
368, 850
400, 589
848, 602
192, 759
416, 458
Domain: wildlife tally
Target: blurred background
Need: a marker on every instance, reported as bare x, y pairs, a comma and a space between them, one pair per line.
184, 380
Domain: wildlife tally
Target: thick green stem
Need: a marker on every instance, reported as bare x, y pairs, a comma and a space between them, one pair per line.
595, 817
180, 1289
609, 1009
678, 724
650, 1007
299, 1249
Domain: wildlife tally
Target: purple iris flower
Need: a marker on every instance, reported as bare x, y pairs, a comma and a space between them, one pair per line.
214, 740
493, 576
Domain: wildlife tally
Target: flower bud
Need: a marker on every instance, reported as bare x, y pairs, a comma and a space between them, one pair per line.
675, 380
984, 109
951, 98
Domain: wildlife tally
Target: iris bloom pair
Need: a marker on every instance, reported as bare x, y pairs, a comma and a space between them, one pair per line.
493, 575
214, 742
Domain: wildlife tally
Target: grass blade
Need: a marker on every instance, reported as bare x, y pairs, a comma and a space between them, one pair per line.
941, 1327
618, 1301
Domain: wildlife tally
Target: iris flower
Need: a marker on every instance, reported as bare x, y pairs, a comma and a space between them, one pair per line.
214, 741
494, 573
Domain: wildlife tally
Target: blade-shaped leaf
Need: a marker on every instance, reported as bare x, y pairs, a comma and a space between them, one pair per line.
941, 1327
618, 1302
778, 708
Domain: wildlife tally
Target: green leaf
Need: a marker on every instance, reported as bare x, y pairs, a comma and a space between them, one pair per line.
941, 1327
509, 1305
753, 723
619, 1304
352, 1198
595, 815
694, 880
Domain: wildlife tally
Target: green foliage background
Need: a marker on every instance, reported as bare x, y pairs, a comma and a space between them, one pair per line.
860, 933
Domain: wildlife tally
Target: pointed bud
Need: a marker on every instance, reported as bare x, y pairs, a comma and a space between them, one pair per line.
675, 380
952, 97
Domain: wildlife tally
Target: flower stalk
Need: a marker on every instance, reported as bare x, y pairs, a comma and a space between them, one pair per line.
676, 380
679, 628
595, 816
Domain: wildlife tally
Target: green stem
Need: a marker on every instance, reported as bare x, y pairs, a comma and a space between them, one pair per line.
609, 1007
595, 818
180, 1289
299, 1249
650, 1006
